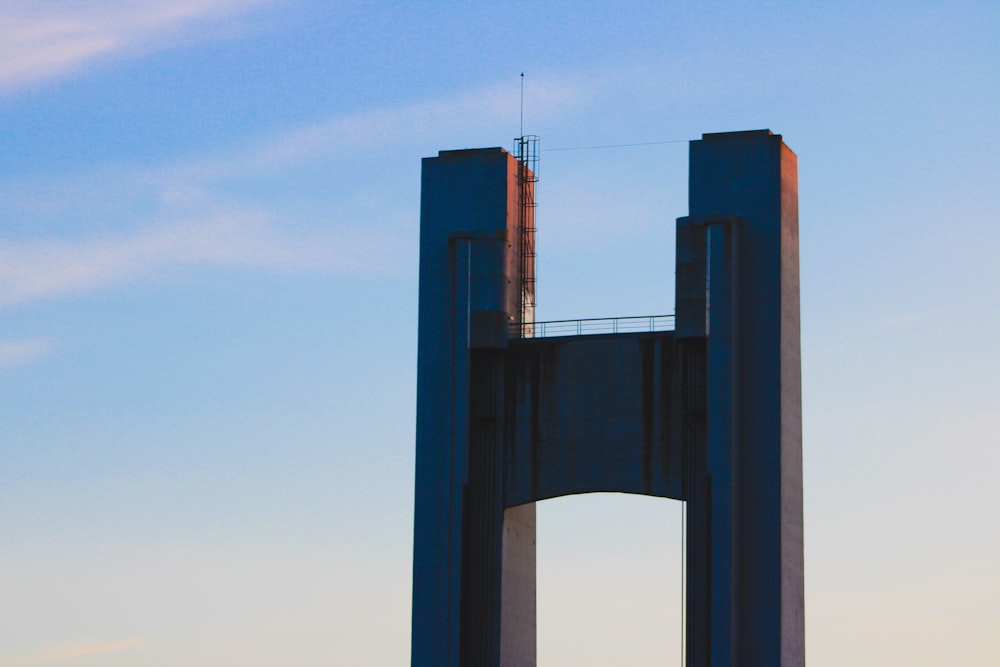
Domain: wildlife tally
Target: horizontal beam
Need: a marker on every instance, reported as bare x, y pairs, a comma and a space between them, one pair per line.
591, 414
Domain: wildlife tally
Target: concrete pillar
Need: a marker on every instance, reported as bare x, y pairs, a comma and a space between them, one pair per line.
738, 287
467, 550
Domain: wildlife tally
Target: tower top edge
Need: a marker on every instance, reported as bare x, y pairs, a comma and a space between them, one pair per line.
708, 136
461, 152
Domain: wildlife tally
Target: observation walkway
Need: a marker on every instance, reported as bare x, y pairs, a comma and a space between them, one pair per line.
596, 325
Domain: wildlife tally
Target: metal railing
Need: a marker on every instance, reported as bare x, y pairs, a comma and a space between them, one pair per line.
596, 325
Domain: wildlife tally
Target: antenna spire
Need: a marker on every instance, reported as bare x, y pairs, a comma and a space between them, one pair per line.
522, 104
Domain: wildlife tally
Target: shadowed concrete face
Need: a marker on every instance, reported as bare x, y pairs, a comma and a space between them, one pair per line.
709, 413
591, 413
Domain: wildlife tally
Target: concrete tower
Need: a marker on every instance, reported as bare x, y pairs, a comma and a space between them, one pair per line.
709, 413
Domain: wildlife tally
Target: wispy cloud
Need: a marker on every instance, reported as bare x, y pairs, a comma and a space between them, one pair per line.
43, 269
46, 39
20, 352
79, 650
453, 118
184, 214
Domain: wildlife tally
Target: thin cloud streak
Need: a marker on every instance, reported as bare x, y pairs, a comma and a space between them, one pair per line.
15, 353
36, 270
456, 116
82, 649
50, 39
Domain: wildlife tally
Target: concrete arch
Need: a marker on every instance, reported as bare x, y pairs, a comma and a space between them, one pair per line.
595, 492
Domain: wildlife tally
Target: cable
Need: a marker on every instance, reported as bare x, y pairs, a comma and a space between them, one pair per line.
591, 148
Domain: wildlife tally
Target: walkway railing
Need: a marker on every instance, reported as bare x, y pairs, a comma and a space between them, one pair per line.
597, 325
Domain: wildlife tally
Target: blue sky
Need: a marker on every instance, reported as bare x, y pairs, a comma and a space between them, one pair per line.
208, 254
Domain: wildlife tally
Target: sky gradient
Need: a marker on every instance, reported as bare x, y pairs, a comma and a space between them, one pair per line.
208, 258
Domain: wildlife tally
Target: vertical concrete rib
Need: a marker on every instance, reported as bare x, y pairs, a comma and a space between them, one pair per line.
482, 558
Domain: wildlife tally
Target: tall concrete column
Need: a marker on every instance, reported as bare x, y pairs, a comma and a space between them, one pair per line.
738, 288
467, 550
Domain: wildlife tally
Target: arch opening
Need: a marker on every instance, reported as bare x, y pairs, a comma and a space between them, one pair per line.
610, 580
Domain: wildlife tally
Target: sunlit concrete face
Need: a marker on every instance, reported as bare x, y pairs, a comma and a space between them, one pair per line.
709, 413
